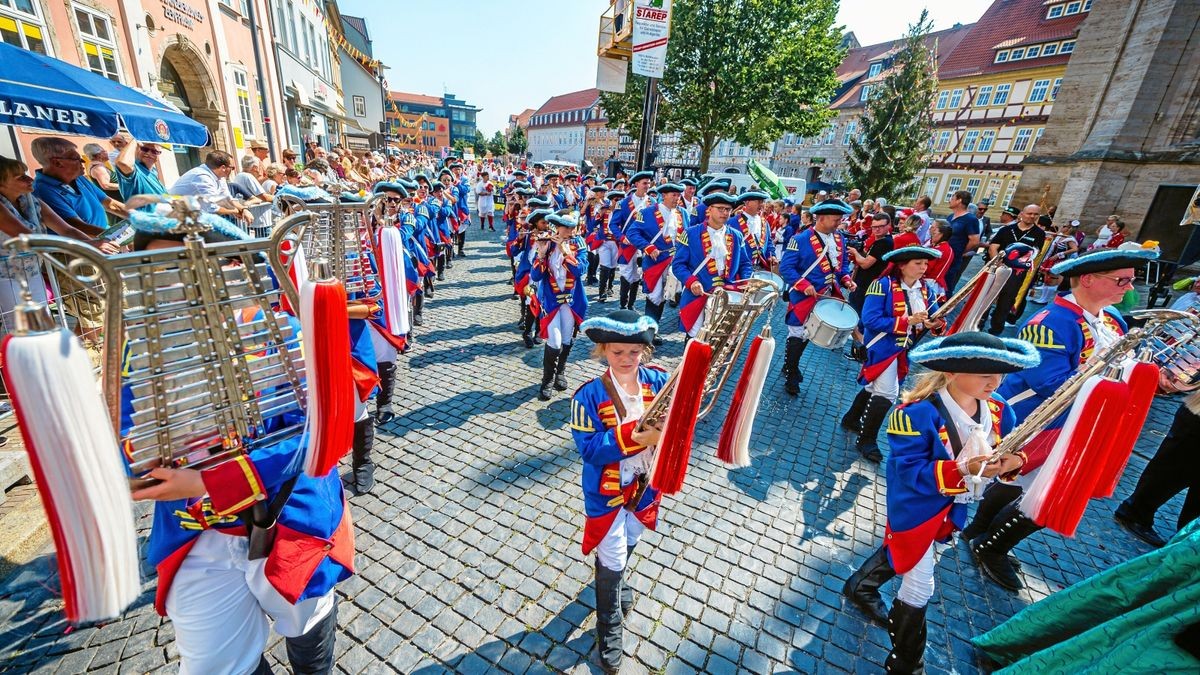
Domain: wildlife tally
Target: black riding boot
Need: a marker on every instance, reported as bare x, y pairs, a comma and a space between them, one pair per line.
609, 631
624, 292
995, 497
418, 306
560, 367
593, 265
906, 626
427, 286
527, 324
862, 588
462, 241
991, 548
312, 653
441, 267
449, 252
872, 419
549, 364
626, 589
362, 469
633, 292
852, 420
791, 364
383, 400
605, 284
654, 310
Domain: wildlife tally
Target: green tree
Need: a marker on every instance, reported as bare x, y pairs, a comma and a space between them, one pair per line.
896, 124
517, 142
498, 145
480, 144
744, 70
459, 145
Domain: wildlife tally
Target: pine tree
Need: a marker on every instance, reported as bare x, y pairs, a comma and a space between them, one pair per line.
891, 151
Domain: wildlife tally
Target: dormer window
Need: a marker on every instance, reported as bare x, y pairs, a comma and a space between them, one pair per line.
875, 69
1017, 54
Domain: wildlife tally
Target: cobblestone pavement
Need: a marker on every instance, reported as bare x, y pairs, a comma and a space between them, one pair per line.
468, 552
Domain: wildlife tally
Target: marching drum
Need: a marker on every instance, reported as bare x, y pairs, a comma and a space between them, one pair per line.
831, 323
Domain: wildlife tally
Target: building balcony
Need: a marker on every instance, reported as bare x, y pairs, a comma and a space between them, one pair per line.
616, 32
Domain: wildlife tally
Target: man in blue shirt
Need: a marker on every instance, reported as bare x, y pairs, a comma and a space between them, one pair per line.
964, 236
135, 168
61, 185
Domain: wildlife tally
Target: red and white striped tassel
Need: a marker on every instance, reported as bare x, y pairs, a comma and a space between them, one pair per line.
982, 297
1143, 383
82, 481
733, 448
391, 276
675, 443
325, 330
1059, 493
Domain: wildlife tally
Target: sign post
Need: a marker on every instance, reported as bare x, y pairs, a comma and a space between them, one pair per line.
651, 33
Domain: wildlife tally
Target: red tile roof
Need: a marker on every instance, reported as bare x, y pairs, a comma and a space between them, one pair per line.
406, 97
573, 101
857, 64
1010, 23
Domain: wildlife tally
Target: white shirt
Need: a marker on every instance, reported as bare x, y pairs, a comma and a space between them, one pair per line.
202, 182
634, 407
754, 226
718, 253
976, 441
670, 225
483, 197
915, 295
831, 248
557, 268
1102, 335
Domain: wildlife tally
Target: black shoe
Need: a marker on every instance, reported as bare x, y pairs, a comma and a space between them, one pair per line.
906, 627
991, 549
383, 400
1137, 528
862, 588
560, 367
791, 363
418, 320
549, 363
449, 264
852, 420
873, 417
609, 631
528, 338
441, 277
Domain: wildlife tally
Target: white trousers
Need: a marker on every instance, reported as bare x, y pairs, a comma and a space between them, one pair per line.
608, 254
222, 607
626, 531
887, 384
659, 291
699, 320
561, 329
384, 351
916, 586
797, 332
631, 271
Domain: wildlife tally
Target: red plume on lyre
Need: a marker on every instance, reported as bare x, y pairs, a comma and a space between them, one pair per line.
325, 328
675, 444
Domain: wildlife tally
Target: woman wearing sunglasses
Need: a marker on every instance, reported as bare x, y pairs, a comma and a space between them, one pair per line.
136, 172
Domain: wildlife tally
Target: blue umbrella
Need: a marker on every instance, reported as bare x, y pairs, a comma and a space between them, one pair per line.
45, 93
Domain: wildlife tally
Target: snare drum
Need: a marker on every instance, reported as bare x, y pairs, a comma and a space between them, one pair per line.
831, 323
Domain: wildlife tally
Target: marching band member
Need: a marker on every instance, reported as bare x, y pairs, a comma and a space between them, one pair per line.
1067, 334
448, 218
747, 219
590, 213
513, 222
941, 441
484, 203
708, 256
558, 274
815, 262
618, 503
526, 290
714, 185
896, 307
689, 201
463, 188
604, 242
653, 231
622, 216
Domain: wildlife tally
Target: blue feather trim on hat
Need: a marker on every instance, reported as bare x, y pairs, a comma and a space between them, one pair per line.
153, 223
619, 327
1017, 353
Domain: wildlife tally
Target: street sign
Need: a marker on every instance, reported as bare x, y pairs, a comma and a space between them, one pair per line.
651, 30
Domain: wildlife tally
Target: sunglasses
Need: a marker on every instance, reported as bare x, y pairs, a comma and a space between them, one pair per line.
1121, 282
151, 150
393, 200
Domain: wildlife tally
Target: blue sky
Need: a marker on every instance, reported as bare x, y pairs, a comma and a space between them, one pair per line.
506, 56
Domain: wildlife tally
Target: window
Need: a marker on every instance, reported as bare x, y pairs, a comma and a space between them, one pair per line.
984, 97
1055, 88
1074, 7
1002, 91
942, 99
1008, 194
1017, 54
973, 186
1087, 5
282, 23
1033, 52
970, 140
1050, 49
1055, 12
1067, 47
952, 186
1039, 91
943, 142
360, 106
1021, 142
956, 98
295, 39
931, 183
986, 140
874, 70
99, 48
1001, 57
866, 93
242, 89
849, 133
993, 190
1037, 137
831, 134
20, 25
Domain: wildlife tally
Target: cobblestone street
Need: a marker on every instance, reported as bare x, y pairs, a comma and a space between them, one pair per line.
469, 549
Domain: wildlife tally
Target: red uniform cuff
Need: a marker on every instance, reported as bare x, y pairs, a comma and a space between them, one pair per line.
949, 479
802, 285
625, 438
233, 486
652, 251
690, 280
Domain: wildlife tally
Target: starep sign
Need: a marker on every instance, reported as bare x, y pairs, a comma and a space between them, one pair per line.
651, 30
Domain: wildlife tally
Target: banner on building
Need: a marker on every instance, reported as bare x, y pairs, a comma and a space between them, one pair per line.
651, 30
